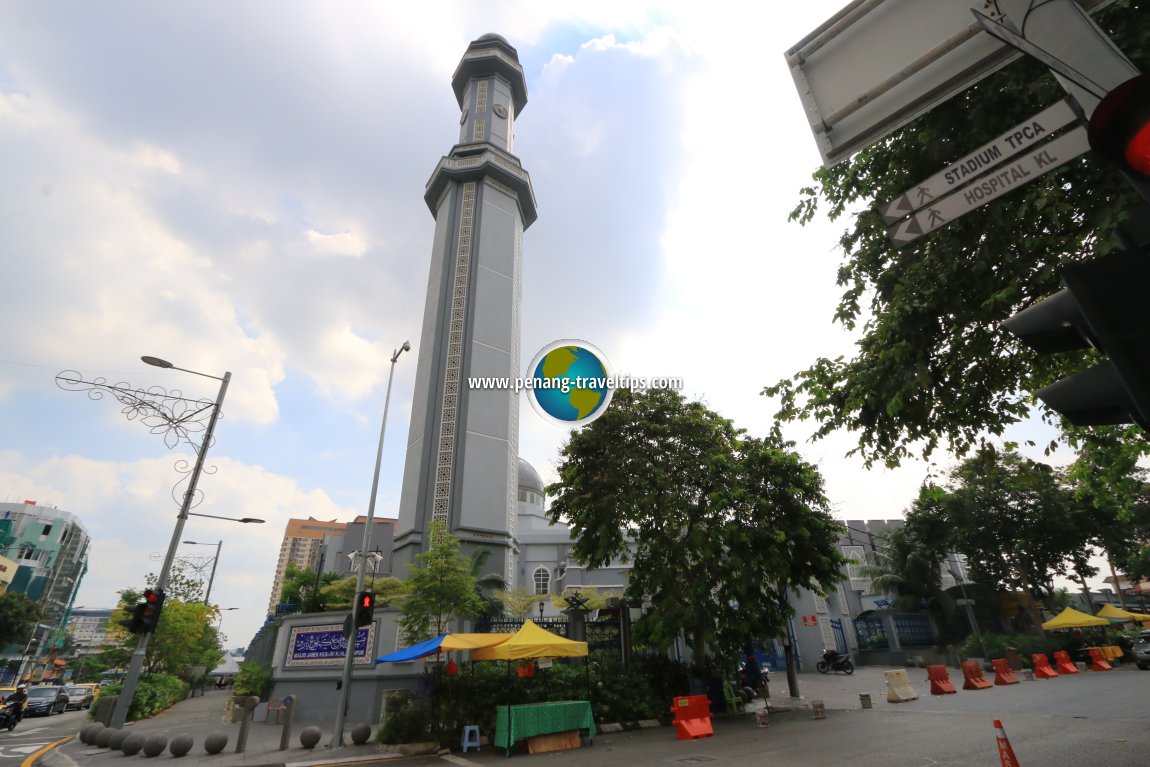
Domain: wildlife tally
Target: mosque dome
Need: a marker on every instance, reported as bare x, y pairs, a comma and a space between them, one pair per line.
529, 478
495, 37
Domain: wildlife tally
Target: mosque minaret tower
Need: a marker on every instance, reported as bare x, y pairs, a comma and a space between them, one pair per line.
462, 451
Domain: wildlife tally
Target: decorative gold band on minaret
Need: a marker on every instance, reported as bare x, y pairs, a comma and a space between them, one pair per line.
445, 459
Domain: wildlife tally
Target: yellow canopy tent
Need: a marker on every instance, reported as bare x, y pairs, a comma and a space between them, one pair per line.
1118, 614
530, 641
1073, 619
472, 641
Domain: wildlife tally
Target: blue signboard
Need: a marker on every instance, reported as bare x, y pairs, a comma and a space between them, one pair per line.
316, 646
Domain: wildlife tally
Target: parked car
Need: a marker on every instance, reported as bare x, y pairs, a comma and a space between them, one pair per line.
1141, 650
47, 700
79, 697
94, 687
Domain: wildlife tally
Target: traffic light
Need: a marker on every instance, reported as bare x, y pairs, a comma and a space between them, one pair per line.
149, 610
1120, 126
144, 616
1103, 305
364, 608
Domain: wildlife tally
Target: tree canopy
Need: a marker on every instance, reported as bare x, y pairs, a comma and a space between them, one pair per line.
185, 636
933, 367
440, 588
1019, 523
716, 524
18, 614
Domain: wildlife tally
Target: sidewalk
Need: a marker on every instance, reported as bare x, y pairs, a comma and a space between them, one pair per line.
199, 717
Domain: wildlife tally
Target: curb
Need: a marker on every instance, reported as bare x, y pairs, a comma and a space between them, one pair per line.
35, 756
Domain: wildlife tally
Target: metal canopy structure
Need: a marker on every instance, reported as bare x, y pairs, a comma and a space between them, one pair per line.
878, 64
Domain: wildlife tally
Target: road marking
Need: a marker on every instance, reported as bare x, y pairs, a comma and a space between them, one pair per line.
32, 759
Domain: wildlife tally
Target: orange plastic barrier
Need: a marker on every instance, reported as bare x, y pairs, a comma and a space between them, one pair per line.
898, 689
1042, 669
972, 678
1005, 752
692, 717
940, 683
1002, 672
1065, 665
1098, 660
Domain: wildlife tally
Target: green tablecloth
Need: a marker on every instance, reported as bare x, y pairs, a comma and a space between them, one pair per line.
542, 718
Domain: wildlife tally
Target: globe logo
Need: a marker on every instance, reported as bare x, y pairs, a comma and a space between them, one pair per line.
568, 383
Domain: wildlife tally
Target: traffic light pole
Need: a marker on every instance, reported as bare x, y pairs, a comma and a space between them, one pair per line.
136, 665
349, 651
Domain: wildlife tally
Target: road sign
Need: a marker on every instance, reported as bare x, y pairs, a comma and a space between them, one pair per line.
878, 64
991, 186
1020, 137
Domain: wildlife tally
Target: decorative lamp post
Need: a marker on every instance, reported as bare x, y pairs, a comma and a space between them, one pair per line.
176, 417
541, 603
215, 561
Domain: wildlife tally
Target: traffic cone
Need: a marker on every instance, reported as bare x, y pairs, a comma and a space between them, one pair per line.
1005, 752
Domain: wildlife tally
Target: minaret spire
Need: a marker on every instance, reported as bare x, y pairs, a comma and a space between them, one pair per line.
462, 452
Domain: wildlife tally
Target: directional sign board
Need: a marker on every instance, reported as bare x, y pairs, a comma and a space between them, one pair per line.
1015, 140
991, 186
878, 64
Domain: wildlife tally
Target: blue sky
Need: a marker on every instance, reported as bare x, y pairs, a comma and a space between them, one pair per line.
239, 187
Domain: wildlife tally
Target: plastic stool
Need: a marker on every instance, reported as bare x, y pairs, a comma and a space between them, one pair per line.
470, 738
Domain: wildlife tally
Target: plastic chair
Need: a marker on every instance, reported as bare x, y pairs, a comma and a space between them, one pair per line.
734, 702
470, 738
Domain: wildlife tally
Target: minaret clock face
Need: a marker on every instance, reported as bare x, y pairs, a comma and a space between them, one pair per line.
500, 110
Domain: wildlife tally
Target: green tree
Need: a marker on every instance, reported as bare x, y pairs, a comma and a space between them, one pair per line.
911, 571
18, 614
487, 586
1015, 520
340, 593
716, 526
185, 636
179, 585
518, 602
439, 589
299, 588
933, 368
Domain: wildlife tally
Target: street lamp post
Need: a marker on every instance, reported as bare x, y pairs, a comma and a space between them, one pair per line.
349, 651
120, 713
541, 610
215, 561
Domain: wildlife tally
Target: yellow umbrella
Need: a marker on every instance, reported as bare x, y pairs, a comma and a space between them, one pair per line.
1118, 614
1073, 619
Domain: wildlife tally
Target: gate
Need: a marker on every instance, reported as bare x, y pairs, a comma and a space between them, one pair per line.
840, 635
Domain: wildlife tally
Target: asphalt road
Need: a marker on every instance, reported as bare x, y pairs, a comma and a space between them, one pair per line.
35, 732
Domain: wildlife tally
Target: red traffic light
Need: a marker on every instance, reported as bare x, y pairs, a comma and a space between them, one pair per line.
367, 601
1120, 126
151, 597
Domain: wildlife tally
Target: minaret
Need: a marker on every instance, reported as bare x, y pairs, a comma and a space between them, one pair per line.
462, 450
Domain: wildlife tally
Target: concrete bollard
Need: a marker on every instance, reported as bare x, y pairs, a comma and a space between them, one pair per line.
864, 699
248, 708
289, 714
310, 736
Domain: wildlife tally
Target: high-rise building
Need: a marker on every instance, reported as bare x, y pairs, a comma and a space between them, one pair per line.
462, 451
302, 546
50, 550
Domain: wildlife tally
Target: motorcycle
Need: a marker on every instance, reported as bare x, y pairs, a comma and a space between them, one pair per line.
832, 661
8, 716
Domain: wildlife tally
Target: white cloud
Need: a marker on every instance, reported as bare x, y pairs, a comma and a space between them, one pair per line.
338, 244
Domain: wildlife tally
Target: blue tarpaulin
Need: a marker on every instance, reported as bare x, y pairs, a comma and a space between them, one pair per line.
416, 651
